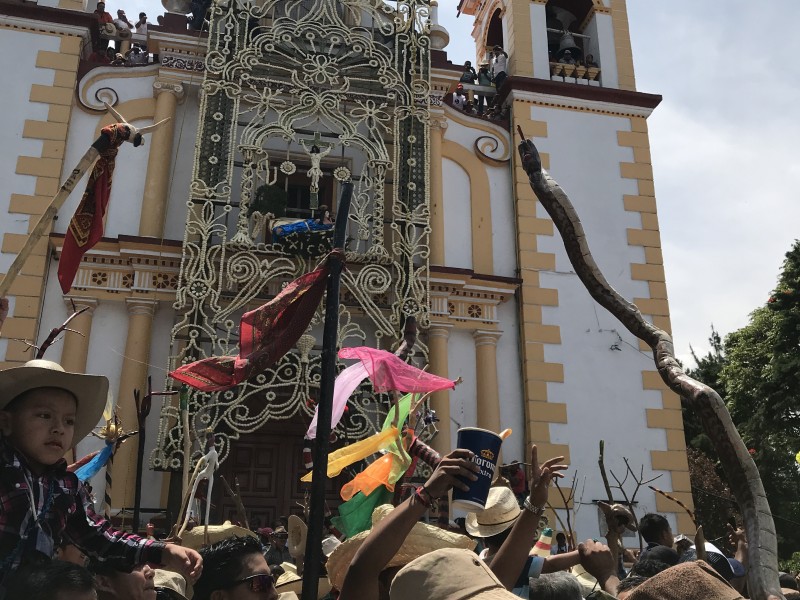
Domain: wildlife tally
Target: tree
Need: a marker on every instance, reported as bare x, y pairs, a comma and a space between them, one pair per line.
762, 385
714, 503
709, 371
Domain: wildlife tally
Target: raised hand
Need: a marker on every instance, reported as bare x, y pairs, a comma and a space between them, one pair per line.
542, 475
453, 472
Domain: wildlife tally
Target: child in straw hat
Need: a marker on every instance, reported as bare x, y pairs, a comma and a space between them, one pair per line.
44, 412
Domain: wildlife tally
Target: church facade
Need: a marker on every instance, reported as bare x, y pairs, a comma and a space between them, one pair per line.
277, 107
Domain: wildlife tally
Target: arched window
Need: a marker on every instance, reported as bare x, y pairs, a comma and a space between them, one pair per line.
494, 33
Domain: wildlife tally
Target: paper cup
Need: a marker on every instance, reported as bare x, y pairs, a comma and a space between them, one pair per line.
486, 447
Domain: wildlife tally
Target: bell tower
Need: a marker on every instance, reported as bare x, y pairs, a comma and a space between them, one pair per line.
585, 42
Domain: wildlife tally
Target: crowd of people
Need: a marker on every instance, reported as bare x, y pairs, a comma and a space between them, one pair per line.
112, 41
490, 74
53, 546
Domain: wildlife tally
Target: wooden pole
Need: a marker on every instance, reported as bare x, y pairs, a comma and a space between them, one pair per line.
330, 337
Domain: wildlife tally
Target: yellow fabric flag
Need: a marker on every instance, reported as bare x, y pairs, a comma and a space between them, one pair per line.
344, 457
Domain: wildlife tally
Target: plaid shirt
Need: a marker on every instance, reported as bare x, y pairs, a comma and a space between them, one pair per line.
38, 513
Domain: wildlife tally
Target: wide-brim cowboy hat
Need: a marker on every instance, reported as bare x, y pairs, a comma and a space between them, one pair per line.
500, 513
298, 531
172, 581
448, 573
90, 391
423, 538
195, 538
291, 582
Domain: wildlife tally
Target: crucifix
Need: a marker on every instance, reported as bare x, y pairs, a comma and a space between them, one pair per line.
316, 154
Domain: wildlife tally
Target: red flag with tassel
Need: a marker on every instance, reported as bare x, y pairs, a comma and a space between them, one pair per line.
86, 227
266, 334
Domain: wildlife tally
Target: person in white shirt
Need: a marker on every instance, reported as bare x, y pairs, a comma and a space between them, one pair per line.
141, 24
459, 99
499, 66
121, 22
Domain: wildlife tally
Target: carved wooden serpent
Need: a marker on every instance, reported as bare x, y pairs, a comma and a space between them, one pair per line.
741, 471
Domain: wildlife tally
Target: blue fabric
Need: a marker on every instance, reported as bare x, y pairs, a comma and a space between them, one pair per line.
533, 568
91, 468
281, 231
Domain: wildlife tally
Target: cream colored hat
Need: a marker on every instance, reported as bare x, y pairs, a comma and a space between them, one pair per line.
500, 513
91, 391
172, 581
290, 582
298, 531
195, 538
448, 574
423, 538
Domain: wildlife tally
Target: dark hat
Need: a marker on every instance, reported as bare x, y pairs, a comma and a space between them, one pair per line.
264, 531
498, 47
729, 568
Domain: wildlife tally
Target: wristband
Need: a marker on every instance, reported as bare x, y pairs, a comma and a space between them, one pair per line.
537, 510
423, 496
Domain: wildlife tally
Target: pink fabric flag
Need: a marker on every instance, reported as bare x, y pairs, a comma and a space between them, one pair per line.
346, 383
388, 372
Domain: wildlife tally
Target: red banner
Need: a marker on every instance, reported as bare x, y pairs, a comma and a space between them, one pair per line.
86, 227
266, 334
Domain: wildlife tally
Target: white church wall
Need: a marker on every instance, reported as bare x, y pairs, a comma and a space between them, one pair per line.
504, 247
509, 378
124, 207
463, 400
18, 52
457, 201
602, 363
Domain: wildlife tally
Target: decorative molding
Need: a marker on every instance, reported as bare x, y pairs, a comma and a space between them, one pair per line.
183, 63
466, 300
485, 337
581, 104
97, 87
80, 302
172, 87
141, 306
126, 268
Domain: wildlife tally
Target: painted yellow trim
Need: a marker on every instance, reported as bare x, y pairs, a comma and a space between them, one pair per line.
28, 288
481, 210
669, 417
622, 43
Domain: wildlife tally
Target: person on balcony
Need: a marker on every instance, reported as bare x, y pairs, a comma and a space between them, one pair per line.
499, 67
459, 99
469, 75
484, 79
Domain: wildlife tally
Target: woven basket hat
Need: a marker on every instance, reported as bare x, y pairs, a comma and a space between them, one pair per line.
500, 513
423, 538
291, 582
195, 538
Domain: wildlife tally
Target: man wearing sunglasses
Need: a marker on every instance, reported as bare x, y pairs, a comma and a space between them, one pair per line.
236, 570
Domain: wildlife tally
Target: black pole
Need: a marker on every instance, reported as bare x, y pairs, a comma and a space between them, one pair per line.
140, 408
330, 335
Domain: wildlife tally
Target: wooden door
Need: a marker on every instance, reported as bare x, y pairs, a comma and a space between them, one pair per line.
268, 464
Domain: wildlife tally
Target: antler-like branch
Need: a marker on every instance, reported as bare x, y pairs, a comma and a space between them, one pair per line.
739, 467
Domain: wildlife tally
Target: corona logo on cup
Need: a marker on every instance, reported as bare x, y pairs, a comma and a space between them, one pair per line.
487, 454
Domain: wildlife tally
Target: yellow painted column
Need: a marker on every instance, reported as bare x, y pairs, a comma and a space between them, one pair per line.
486, 379
159, 161
437, 192
76, 345
438, 335
133, 376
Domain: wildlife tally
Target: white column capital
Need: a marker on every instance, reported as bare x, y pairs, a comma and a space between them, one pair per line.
173, 87
485, 337
81, 302
141, 306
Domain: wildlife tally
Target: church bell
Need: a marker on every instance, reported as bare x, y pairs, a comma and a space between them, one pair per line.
567, 42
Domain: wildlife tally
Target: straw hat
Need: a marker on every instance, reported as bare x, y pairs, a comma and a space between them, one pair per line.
91, 391
454, 574
298, 531
195, 538
171, 581
500, 513
290, 582
423, 538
